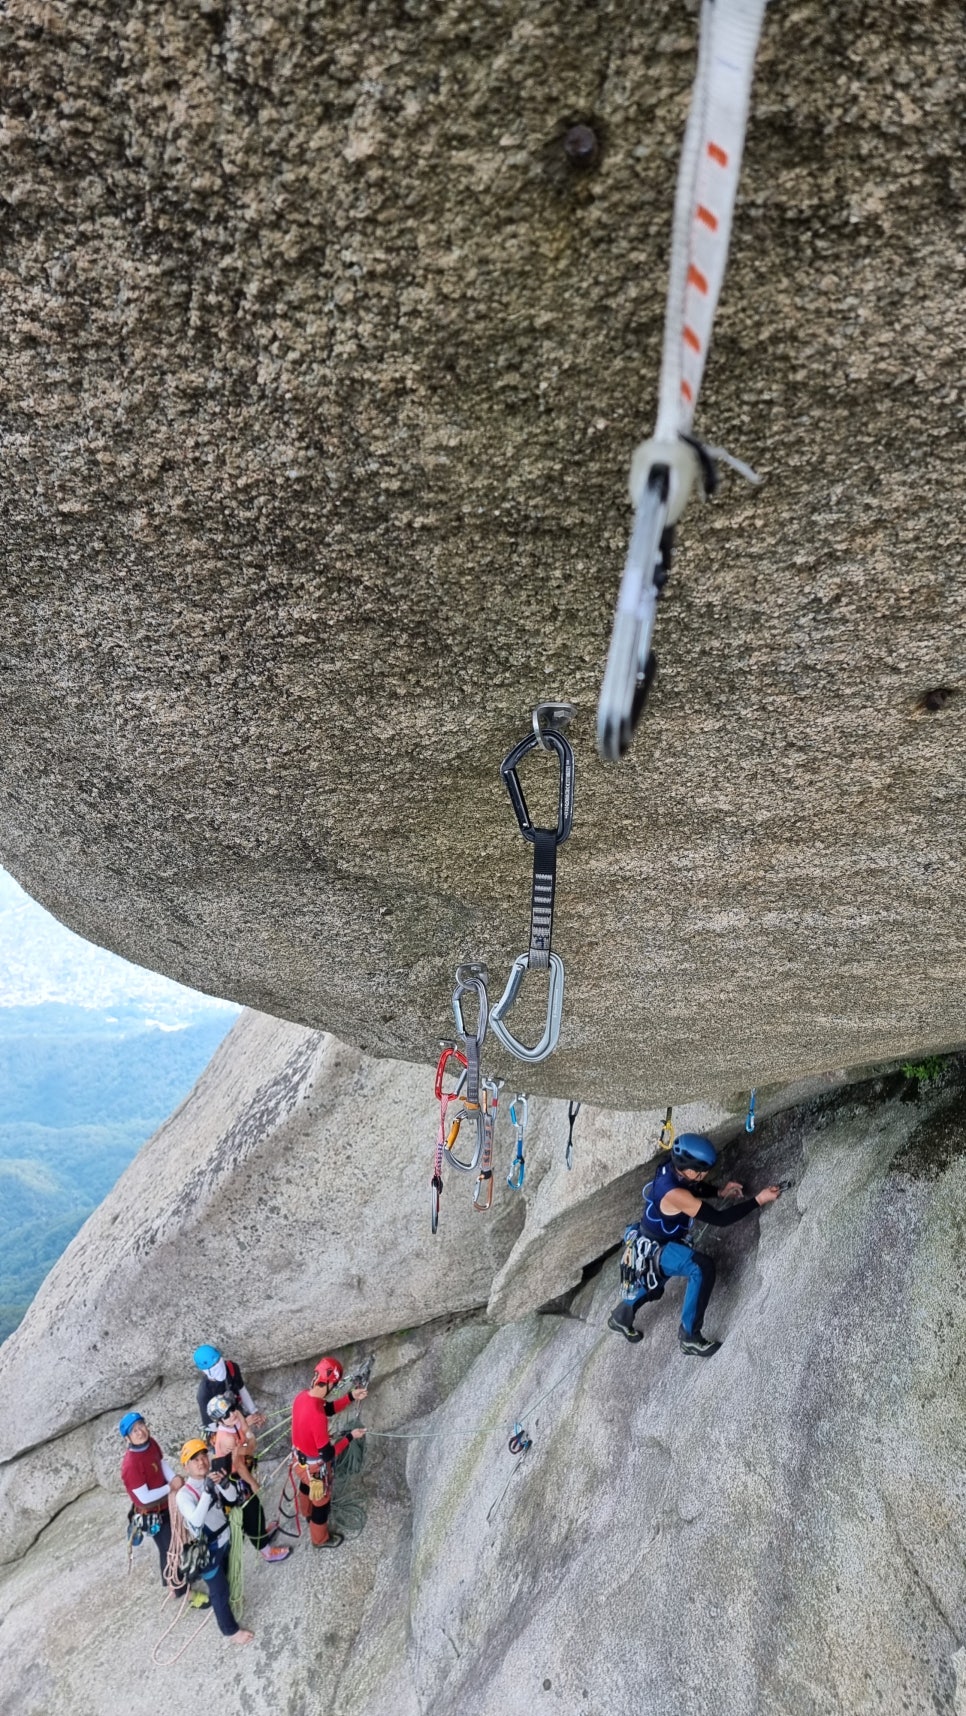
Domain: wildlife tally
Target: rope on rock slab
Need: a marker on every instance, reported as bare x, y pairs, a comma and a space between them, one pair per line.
172, 1578
236, 1564
169, 1661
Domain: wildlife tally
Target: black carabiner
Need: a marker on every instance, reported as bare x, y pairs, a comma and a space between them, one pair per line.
553, 741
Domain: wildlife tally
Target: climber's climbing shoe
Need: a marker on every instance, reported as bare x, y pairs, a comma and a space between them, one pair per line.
697, 1345
199, 1600
275, 1553
622, 1329
332, 1541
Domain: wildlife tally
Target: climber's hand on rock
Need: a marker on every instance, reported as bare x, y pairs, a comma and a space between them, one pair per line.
257, 1421
768, 1195
734, 1189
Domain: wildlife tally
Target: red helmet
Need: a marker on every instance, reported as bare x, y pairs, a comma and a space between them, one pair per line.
327, 1373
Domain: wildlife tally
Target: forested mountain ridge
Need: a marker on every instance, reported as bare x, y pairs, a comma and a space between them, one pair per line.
80, 1091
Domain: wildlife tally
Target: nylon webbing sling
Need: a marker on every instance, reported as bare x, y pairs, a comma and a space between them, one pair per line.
664, 468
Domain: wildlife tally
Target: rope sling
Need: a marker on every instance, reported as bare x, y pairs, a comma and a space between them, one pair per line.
664, 468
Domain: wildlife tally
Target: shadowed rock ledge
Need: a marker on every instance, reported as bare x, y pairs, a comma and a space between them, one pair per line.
322, 366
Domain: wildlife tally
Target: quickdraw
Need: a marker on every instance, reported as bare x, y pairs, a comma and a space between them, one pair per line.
750, 1116
573, 1109
545, 842
444, 1098
470, 980
519, 1114
483, 1190
666, 1138
519, 1442
664, 468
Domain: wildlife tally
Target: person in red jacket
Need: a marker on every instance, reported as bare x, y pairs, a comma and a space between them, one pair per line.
314, 1451
150, 1481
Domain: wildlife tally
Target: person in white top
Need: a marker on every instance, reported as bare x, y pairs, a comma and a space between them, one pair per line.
199, 1501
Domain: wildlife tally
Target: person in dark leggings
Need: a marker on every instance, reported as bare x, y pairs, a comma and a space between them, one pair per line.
233, 1455
199, 1500
678, 1193
150, 1481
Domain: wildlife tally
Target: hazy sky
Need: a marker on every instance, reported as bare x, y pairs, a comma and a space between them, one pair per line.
41, 960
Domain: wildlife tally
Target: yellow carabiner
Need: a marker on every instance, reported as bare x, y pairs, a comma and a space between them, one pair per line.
667, 1131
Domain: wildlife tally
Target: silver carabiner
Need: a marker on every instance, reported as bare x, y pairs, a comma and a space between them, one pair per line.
551, 1033
471, 979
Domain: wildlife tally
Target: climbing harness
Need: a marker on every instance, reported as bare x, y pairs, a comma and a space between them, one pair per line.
519, 1113
573, 1109
444, 1098
483, 1190
666, 1138
545, 842
664, 468
750, 1116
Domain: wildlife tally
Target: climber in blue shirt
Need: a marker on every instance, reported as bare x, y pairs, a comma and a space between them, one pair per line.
674, 1198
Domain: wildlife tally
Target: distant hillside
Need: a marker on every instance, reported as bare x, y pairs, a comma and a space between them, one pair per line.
80, 1092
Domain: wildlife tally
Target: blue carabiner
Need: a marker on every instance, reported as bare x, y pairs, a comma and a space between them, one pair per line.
519, 1109
750, 1117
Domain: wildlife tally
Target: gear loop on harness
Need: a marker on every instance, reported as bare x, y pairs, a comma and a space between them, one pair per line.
664, 468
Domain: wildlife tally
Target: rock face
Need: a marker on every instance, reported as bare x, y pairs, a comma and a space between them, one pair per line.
777, 1530
284, 1208
323, 363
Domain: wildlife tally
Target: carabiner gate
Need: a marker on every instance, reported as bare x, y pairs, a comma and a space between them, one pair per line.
550, 740
555, 998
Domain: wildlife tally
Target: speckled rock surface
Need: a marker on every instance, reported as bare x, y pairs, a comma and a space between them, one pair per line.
321, 371
279, 1211
776, 1532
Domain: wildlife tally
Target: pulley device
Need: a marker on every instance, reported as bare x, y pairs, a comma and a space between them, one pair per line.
545, 841
664, 468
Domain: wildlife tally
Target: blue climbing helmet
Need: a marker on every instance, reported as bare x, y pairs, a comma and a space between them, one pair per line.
128, 1422
691, 1150
206, 1357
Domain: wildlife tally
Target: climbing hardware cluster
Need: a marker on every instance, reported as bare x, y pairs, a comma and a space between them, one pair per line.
545, 841
468, 1101
664, 468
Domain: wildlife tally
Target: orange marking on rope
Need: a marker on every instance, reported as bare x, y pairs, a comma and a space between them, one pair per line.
697, 279
707, 217
717, 154
691, 339
686, 392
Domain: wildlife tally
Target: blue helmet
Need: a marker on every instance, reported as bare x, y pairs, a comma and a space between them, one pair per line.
206, 1357
128, 1422
691, 1150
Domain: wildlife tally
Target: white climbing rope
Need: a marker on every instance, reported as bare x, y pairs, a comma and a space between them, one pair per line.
663, 468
